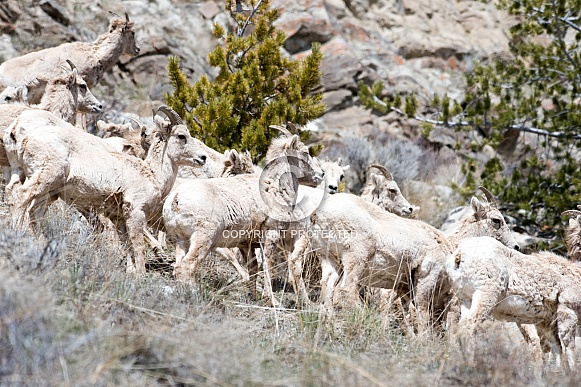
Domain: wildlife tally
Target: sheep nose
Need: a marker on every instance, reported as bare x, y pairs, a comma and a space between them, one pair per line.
203, 157
411, 210
517, 247
333, 187
100, 107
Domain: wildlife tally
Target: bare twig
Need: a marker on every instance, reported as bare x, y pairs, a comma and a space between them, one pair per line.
247, 22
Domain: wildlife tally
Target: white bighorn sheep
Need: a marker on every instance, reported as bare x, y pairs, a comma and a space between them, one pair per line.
65, 96
573, 242
377, 248
203, 214
34, 70
543, 289
78, 168
287, 234
381, 190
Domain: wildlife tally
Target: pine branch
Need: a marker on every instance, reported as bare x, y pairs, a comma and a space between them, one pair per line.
452, 124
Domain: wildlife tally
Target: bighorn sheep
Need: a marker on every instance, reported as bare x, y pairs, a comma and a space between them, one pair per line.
378, 248
381, 190
35, 69
202, 214
287, 234
65, 96
62, 162
543, 289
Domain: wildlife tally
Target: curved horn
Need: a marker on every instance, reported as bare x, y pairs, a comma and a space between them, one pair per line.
383, 171
283, 130
174, 118
488, 196
139, 123
73, 67
571, 213
292, 128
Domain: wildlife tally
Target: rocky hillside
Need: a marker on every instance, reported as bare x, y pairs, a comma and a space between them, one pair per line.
420, 46
413, 45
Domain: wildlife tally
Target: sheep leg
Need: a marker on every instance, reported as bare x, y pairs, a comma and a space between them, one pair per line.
180, 251
135, 223
537, 342
32, 195
252, 264
295, 262
566, 326
199, 249
155, 244
550, 342
232, 257
161, 238
269, 251
329, 277
346, 294
481, 306
425, 292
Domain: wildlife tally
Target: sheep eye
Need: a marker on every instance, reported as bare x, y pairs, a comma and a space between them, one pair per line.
83, 87
181, 136
392, 190
341, 178
8, 98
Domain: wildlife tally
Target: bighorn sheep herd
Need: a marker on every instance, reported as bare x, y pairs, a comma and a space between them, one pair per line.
274, 216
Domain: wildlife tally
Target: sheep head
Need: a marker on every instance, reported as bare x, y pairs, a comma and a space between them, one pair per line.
86, 102
126, 29
14, 94
237, 163
383, 191
487, 220
289, 147
573, 234
177, 142
334, 174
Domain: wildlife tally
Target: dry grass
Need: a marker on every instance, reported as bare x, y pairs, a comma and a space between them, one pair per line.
70, 316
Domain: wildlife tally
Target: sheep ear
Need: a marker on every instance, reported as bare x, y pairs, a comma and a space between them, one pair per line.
228, 159
233, 156
346, 167
293, 141
573, 222
101, 125
478, 207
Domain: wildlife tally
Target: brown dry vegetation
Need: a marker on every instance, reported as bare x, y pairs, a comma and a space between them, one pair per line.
70, 316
